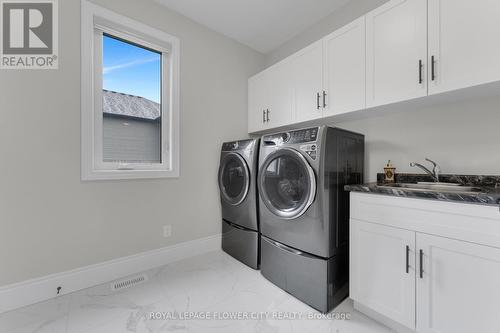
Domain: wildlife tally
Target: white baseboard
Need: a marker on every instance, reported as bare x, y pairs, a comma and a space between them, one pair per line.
41, 289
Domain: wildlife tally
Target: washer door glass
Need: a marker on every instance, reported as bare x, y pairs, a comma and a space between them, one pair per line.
287, 183
234, 179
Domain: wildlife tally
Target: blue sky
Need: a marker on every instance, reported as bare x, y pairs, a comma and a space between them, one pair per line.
131, 70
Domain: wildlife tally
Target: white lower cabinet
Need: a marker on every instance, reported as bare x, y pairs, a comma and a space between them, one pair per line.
428, 283
382, 270
459, 291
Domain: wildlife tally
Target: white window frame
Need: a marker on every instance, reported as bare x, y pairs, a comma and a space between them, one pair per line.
96, 21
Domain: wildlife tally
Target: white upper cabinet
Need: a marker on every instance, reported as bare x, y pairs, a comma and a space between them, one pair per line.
281, 101
344, 69
458, 290
270, 98
382, 270
402, 50
464, 41
258, 101
396, 51
307, 67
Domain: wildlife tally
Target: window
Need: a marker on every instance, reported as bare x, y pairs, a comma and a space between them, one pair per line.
130, 98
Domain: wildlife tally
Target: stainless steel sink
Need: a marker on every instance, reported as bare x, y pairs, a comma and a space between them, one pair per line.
428, 186
439, 184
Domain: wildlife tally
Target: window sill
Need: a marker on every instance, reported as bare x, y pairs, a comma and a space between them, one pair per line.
127, 174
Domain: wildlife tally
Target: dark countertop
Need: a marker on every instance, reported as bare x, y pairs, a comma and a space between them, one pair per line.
488, 186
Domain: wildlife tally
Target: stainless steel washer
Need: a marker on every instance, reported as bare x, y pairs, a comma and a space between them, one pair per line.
304, 211
238, 192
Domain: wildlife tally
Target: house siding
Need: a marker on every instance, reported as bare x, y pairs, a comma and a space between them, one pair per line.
131, 140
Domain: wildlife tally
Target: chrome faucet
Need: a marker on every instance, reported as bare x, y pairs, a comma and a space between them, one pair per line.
435, 170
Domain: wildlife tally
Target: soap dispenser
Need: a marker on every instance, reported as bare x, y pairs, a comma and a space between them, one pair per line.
389, 173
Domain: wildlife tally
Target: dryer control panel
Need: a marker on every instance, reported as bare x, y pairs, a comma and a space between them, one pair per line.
237, 145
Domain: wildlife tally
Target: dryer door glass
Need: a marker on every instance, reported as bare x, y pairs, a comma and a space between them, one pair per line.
234, 179
287, 183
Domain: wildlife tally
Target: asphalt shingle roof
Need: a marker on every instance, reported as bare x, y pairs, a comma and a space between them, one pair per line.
130, 106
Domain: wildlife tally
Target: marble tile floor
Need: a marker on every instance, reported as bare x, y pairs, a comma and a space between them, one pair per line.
212, 284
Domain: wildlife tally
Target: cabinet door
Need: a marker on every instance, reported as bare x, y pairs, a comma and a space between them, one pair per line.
281, 94
344, 69
308, 82
258, 102
459, 290
382, 270
464, 41
396, 48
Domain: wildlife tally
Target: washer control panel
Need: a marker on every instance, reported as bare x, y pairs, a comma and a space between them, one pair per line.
292, 137
304, 135
310, 149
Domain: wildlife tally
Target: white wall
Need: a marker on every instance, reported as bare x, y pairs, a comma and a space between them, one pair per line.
49, 220
347, 13
462, 137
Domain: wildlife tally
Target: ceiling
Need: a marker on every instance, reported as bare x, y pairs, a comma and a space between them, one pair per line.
262, 25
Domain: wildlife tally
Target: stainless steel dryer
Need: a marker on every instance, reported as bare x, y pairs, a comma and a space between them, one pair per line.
238, 191
304, 211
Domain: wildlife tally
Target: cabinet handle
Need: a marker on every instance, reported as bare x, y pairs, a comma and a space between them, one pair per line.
317, 100
433, 68
407, 259
420, 76
263, 116
267, 115
421, 264
324, 99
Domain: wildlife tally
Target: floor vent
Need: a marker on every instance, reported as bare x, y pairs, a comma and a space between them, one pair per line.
128, 283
